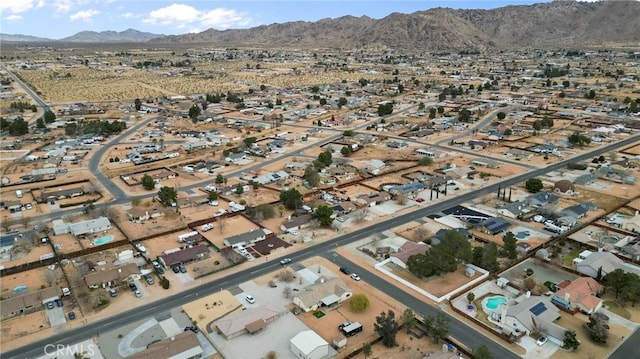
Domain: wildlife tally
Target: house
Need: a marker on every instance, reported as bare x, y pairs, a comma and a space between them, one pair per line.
631, 224
533, 314
603, 262
185, 255
523, 247
409, 188
494, 225
247, 238
327, 293
184, 345
401, 257
81, 228
580, 294
484, 162
372, 199
296, 223
374, 166
61, 194
248, 321
565, 187
139, 215
21, 304
236, 157
542, 199
309, 345
109, 276
513, 210
576, 211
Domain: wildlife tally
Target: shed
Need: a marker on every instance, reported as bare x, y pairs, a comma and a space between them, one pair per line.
309, 345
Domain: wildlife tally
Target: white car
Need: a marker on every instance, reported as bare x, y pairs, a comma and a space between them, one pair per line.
541, 341
250, 299
355, 276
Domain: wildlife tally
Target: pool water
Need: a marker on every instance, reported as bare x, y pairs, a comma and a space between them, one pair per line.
102, 240
495, 302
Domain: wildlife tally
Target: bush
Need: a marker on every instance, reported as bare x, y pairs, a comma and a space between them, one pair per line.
359, 303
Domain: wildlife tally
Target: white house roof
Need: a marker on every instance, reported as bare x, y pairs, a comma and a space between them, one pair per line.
307, 341
89, 226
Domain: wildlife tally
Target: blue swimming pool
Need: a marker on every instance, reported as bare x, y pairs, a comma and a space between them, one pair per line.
494, 302
102, 240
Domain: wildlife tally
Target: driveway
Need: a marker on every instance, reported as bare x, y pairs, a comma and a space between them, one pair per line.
535, 351
56, 316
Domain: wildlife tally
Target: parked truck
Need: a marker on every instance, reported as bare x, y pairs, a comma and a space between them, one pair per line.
19, 193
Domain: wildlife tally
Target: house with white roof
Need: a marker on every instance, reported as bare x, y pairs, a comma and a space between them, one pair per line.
309, 345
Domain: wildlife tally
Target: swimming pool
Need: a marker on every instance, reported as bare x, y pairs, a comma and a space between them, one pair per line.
494, 302
102, 240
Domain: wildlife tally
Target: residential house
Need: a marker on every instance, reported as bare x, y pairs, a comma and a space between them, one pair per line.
109, 276
494, 225
371, 199
21, 304
374, 166
296, 223
533, 314
513, 209
247, 238
81, 228
248, 321
485, 162
309, 345
185, 255
235, 157
631, 224
409, 248
601, 263
542, 199
61, 194
565, 187
184, 345
411, 188
577, 211
328, 293
582, 293
139, 215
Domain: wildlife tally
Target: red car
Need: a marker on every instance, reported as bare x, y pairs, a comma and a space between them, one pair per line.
419, 200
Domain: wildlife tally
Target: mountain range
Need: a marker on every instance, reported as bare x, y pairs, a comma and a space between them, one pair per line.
561, 23
129, 35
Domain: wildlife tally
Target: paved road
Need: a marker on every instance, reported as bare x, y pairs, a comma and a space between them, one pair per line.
28, 90
469, 337
459, 330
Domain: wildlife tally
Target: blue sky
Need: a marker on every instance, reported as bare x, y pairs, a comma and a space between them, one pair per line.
57, 19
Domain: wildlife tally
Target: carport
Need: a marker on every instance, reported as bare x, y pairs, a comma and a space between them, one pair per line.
330, 301
256, 326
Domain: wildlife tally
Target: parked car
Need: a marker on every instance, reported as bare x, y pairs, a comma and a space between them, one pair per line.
50, 305
341, 219
419, 199
345, 270
58, 302
133, 287
355, 276
182, 268
138, 294
148, 278
192, 328
113, 292
285, 261
250, 299
72, 315
345, 324
176, 269
159, 270
541, 341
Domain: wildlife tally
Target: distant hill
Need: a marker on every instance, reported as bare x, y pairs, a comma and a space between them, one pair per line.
555, 24
129, 35
22, 38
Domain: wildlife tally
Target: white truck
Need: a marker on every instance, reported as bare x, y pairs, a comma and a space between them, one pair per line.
19, 193
206, 227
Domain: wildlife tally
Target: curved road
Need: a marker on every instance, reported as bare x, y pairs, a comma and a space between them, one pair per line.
465, 334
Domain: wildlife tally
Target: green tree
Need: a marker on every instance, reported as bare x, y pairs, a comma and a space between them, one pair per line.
341, 102
425, 161
464, 115
387, 328
598, 328
509, 240
147, 182
440, 328
578, 139
471, 297
501, 115
359, 303
534, 185
219, 178
291, 199
408, 320
632, 289
167, 195
385, 109
366, 349
324, 159
239, 189
421, 106
194, 112
440, 110
617, 280
138, 104
432, 112
18, 127
482, 352
490, 257
212, 196
323, 101
312, 176
570, 341
40, 123
49, 116
346, 151
323, 214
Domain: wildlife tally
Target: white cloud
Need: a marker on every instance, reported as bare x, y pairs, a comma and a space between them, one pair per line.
15, 6
129, 15
13, 17
181, 16
84, 15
